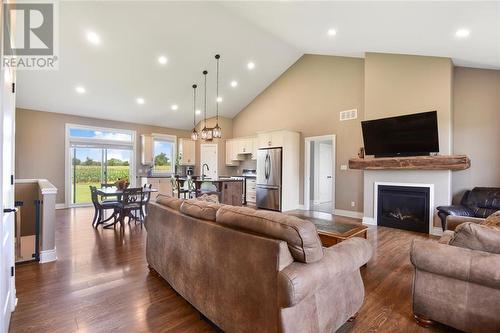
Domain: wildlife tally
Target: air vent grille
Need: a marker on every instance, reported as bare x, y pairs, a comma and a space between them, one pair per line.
348, 114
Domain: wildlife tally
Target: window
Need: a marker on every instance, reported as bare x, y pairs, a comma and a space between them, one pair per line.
164, 154
96, 156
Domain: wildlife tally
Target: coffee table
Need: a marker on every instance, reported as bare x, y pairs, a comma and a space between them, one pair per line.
330, 231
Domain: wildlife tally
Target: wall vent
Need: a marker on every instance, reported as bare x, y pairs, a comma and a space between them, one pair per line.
348, 114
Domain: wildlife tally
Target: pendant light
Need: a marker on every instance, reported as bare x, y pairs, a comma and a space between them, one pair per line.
217, 131
204, 131
194, 134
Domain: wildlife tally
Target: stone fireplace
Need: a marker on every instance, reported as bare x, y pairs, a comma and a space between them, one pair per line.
403, 207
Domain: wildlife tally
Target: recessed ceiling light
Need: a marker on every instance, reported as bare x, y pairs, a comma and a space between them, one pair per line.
174, 107
93, 38
250, 65
80, 89
162, 60
198, 111
462, 33
234, 84
140, 100
332, 32
219, 99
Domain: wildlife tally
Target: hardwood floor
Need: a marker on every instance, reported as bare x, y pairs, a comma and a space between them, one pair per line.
101, 283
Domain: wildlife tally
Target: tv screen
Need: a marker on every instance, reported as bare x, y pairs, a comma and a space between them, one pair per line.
409, 135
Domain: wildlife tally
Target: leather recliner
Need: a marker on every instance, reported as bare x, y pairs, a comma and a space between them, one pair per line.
480, 202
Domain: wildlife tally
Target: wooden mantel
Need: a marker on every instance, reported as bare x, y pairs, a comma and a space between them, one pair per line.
438, 162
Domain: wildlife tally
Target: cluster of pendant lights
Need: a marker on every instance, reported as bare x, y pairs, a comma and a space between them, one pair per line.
207, 133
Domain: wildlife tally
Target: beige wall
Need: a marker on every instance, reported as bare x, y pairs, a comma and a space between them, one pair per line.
40, 141
476, 124
403, 84
308, 98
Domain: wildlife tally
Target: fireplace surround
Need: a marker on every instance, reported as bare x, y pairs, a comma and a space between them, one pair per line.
404, 206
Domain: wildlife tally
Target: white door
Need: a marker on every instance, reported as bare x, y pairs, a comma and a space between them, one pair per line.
325, 172
7, 119
208, 156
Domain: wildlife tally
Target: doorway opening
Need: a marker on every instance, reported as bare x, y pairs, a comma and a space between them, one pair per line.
209, 156
319, 182
96, 156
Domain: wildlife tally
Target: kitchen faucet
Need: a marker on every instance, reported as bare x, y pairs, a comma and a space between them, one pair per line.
203, 170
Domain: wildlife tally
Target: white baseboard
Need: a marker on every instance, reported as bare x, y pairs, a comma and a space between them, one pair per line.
48, 256
60, 206
437, 231
369, 220
301, 207
348, 213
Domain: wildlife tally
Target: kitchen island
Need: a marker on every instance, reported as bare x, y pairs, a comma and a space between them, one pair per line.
229, 190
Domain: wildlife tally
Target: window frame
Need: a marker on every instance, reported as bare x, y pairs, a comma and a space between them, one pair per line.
164, 137
110, 144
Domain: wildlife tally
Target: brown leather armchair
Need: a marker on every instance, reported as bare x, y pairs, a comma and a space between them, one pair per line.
480, 202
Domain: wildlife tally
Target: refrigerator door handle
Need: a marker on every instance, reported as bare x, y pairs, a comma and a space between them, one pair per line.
266, 168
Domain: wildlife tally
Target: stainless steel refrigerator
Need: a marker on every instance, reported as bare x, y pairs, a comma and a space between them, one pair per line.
269, 178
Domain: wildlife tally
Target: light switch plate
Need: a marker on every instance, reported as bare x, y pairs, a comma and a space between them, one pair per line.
343, 167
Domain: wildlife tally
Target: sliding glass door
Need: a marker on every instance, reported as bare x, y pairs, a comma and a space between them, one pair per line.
97, 158
94, 167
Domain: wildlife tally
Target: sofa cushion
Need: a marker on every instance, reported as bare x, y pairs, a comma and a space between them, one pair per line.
493, 221
213, 198
300, 235
200, 209
171, 202
476, 237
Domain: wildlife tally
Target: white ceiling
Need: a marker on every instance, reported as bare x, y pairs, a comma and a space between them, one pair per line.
271, 34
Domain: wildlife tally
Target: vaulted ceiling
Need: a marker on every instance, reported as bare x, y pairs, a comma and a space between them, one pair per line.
124, 65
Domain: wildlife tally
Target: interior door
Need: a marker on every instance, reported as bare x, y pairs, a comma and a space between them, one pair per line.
208, 156
325, 172
7, 122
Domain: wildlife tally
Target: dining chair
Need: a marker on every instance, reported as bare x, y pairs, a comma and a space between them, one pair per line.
131, 205
174, 184
101, 206
146, 196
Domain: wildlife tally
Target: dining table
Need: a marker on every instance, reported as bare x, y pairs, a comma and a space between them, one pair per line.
107, 192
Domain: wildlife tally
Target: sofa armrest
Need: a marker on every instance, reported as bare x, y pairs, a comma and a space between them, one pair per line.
456, 210
456, 262
299, 280
452, 221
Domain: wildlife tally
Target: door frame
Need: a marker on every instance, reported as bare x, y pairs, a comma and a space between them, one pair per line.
216, 160
307, 167
68, 162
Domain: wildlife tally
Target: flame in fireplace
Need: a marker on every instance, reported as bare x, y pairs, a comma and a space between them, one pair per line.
398, 214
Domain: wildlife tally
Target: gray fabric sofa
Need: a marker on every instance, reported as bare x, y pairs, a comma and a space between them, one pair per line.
457, 280
254, 271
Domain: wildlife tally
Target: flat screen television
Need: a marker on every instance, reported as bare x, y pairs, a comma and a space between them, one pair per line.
409, 135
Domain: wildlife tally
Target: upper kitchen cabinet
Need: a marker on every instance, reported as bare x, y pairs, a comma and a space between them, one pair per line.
232, 152
147, 157
255, 147
187, 152
271, 139
245, 145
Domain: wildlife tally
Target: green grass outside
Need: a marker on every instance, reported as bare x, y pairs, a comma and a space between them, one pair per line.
87, 175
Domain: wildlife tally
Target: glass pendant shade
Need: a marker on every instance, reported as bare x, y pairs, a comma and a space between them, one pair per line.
217, 132
204, 133
194, 135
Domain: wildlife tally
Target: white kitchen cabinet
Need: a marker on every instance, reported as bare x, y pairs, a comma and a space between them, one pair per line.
271, 139
251, 190
232, 152
187, 152
255, 147
147, 150
162, 184
245, 145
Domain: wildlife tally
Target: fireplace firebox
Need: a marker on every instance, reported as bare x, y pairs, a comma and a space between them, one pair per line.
403, 207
